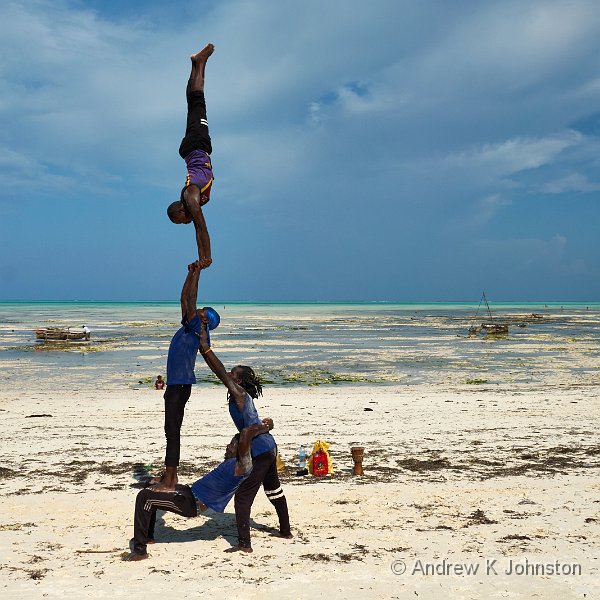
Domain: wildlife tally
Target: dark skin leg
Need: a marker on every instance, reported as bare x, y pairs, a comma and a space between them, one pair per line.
198, 67
167, 482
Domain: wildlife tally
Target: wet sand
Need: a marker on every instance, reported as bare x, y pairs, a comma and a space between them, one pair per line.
455, 474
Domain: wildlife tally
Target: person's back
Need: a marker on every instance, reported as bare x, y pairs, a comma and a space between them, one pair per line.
218, 486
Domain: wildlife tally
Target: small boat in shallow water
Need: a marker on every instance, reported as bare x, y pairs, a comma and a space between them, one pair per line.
489, 328
60, 334
494, 328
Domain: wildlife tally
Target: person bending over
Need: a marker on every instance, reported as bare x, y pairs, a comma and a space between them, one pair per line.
214, 490
195, 149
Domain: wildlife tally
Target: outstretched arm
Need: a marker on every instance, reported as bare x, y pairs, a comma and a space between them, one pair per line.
187, 292
237, 392
244, 462
194, 207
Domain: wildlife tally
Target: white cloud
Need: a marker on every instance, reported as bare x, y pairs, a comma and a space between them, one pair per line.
535, 253
514, 155
576, 182
427, 113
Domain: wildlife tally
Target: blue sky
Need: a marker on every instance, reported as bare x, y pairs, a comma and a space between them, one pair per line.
386, 151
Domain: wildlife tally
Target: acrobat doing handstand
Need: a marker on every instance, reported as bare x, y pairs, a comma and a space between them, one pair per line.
195, 149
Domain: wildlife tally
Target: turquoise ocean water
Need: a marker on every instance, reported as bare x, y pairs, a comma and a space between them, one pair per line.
308, 344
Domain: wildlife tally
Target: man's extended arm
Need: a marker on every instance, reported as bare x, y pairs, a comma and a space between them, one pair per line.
244, 462
238, 393
192, 197
192, 292
192, 276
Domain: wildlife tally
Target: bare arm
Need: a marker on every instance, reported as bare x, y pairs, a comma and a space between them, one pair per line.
238, 393
192, 292
192, 198
246, 436
185, 290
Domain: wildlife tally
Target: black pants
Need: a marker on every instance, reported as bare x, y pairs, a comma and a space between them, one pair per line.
196, 130
181, 501
264, 471
175, 397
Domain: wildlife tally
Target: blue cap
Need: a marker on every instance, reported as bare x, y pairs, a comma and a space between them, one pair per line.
213, 317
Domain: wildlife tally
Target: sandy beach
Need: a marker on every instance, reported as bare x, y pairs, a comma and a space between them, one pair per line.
454, 475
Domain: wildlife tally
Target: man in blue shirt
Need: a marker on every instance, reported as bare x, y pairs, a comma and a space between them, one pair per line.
214, 490
181, 361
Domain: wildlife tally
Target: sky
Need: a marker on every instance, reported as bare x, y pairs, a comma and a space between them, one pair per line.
386, 151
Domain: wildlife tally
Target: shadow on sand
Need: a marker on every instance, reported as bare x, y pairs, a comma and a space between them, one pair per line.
214, 526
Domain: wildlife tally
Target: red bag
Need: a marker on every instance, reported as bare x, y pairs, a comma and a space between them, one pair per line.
320, 464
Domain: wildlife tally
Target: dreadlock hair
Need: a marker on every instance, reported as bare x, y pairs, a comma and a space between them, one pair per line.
249, 381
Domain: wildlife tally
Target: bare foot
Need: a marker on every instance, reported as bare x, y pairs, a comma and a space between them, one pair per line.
163, 486
278, 534
133, 557
166, 482
202, 56
238, 549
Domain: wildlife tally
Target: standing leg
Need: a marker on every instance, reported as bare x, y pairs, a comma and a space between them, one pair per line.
176, 397
244, 498
276, 496
175, 401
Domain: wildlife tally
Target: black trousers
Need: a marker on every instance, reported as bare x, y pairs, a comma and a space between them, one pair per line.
196, 130
181, 501
264, 471
175, 397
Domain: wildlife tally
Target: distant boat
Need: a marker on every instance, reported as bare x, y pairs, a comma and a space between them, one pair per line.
61, 334
491, 327
494, 328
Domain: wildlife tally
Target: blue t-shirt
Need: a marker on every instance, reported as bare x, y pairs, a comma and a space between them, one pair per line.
183, 351
262, 443
217, 488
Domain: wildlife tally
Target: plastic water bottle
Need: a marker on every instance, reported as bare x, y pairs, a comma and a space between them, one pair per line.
301, 458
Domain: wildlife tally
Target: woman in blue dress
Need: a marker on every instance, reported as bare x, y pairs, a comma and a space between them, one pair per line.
243, 388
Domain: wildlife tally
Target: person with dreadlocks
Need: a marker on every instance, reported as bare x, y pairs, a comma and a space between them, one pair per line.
195, 149
243, 388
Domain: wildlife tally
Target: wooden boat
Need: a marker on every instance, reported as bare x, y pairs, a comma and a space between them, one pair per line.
489, 328
60, 334
494, 328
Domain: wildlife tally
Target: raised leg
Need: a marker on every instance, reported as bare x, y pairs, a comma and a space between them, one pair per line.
196, 83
